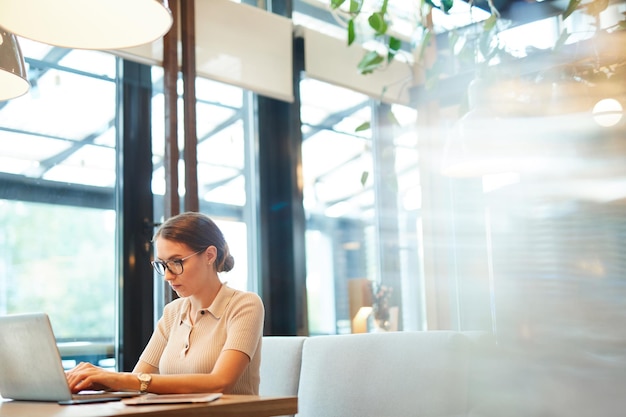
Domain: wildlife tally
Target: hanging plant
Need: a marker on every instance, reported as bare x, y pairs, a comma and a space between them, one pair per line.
379, 21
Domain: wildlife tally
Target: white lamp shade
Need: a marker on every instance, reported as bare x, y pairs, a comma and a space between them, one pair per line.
87, 24
13, 78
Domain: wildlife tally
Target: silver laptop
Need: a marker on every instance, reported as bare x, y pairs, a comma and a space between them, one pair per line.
31, 367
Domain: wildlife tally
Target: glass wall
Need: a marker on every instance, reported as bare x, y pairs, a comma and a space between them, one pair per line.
508, 214
225, 167
57, 215
57, 194
516, 245
362, 200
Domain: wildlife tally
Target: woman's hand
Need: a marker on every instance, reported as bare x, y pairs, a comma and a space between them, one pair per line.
86, 376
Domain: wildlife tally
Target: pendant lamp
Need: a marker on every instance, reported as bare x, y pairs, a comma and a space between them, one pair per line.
87, 24
13, 77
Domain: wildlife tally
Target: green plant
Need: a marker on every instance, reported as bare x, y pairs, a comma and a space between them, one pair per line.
378, 21
381, 295
477, 47
372, 20
379, 24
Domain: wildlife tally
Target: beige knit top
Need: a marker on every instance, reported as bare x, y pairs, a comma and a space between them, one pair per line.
233, 321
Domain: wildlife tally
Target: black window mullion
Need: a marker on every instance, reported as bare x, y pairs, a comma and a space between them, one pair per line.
135, 211
281, 219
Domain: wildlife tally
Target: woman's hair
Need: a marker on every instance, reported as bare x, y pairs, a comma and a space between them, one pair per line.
197, 231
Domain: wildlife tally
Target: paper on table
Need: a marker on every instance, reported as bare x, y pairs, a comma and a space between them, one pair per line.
172, 398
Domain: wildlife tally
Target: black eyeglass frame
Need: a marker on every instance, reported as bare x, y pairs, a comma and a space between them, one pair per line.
161, 266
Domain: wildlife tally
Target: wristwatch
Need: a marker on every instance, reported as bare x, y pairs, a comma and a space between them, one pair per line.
144, 380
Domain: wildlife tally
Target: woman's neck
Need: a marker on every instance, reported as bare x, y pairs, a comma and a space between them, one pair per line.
204, 299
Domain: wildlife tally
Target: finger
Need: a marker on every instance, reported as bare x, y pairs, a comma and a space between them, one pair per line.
74, 385
86, 383
84, 365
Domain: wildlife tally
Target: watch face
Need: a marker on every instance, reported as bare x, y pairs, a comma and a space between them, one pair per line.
144, 380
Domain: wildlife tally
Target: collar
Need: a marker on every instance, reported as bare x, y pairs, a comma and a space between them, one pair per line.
217, 307
222, 299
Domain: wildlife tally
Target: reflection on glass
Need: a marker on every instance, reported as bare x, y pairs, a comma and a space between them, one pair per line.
52, 253
360, 200
220, 133
58, 160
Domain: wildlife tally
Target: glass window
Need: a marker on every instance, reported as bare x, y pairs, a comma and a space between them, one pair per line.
57, 216
224, 168
361, 197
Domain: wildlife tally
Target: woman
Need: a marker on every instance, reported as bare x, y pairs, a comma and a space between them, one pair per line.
208, 339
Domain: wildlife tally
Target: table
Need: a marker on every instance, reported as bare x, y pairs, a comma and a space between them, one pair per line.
227, 405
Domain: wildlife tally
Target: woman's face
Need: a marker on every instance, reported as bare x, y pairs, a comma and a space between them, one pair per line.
194, 267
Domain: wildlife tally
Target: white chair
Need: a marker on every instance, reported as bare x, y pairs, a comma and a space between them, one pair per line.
281, 357
396, 374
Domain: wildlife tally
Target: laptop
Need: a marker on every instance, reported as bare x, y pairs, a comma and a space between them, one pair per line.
31, 367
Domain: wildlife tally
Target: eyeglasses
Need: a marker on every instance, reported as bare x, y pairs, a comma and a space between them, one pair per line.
175, 266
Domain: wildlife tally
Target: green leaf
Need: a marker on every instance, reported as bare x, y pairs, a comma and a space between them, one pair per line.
383, 8
453, 38
425, 41
363, 126
370, 62
335, 4
490, 23
561, 41
395, 44
377, 22
447, 5
484, 44
383, 92
392, 118
432, 75
364, 177
355, 6
351, 32
393, 47
571, 7
431, 4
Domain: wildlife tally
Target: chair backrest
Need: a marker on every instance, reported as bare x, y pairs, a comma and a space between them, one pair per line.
281, 357
396, 374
